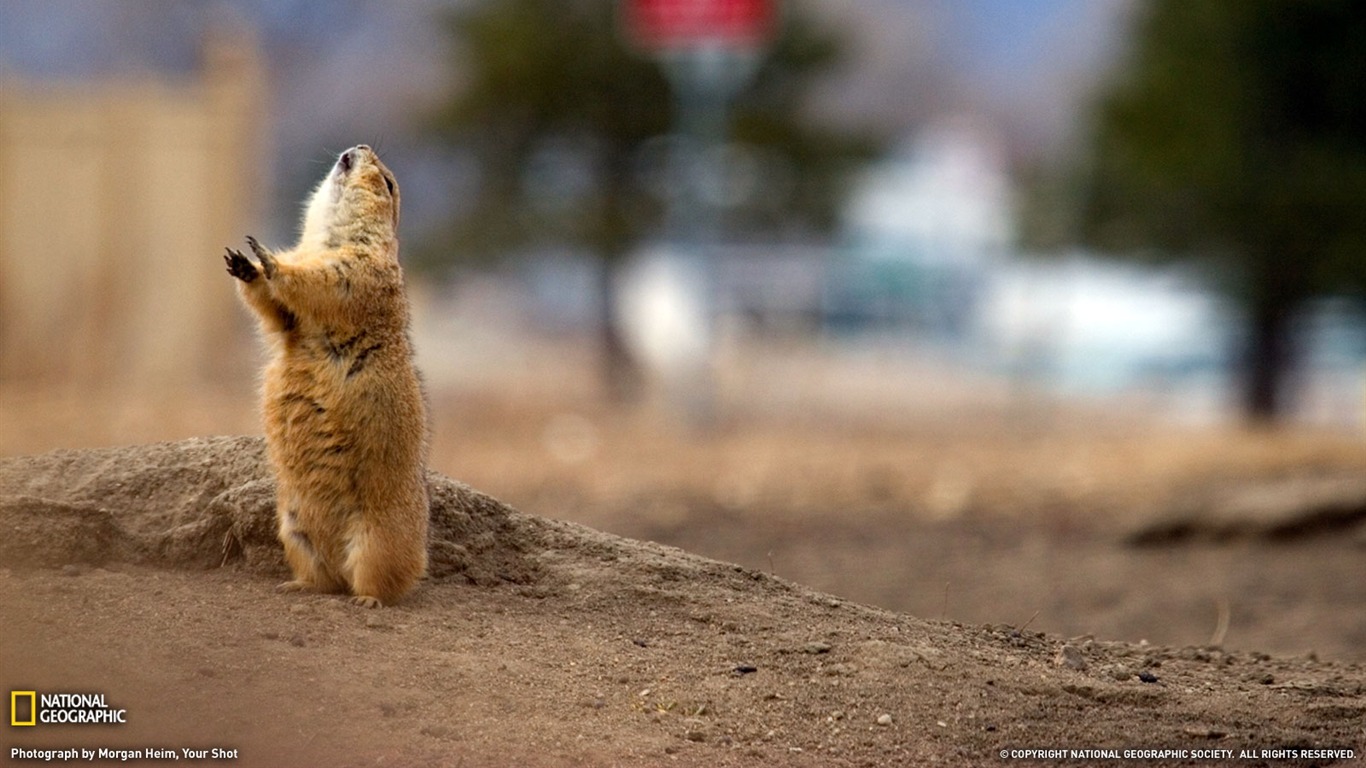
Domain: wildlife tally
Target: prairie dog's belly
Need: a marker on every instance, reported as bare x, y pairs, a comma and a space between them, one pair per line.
331, 433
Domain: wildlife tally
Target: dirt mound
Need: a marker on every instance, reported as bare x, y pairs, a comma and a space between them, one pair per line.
209, 502
1275, 510
538, 642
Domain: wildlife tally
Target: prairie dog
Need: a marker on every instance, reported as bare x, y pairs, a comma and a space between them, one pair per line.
344, 414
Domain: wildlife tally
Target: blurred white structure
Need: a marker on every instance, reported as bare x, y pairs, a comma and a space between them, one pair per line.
1083, 325
931, 242
944, 200
664, 313
923, 228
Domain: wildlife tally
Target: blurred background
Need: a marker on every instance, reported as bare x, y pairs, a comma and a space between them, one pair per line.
1041, 312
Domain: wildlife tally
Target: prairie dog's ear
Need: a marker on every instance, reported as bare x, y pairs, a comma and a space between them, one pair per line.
390, 189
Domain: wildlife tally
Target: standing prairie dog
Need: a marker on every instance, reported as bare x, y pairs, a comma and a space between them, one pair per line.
344, 414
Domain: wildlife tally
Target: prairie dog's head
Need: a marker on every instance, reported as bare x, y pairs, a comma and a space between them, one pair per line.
357, 201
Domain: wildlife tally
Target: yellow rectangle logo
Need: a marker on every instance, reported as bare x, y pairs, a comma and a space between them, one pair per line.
14, 698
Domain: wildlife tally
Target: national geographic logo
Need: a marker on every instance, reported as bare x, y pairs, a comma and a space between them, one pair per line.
33, 708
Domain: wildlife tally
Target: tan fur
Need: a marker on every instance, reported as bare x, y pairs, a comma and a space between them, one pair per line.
344, 414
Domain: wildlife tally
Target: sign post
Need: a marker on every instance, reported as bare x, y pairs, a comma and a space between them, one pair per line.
709, 49
662, 25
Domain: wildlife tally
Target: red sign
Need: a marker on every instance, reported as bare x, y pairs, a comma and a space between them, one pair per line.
674, 24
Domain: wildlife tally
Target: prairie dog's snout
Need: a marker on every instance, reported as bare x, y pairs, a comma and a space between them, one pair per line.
347, 159
350, 157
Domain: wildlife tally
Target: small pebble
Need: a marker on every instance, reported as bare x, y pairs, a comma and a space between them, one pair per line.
1070, 656
745, 669
437, 731
1147, 677
816, 647
884, 719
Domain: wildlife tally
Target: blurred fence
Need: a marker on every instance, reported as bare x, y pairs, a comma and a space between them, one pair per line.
116, 198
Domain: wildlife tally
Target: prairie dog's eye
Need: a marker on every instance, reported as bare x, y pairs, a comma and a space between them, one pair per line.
388, 182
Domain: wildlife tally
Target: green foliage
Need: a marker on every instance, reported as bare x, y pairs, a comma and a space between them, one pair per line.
1235, 132
1239, 129
557, 114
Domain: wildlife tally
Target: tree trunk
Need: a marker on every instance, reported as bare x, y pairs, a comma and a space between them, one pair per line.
1268, 359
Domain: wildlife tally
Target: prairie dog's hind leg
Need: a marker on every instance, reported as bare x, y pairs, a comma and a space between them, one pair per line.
379, 568
310, 575
366, 582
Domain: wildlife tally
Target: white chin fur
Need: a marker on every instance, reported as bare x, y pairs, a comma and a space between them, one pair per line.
318, 218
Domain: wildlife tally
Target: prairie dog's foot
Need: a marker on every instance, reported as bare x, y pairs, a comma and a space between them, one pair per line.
240, 266
267, 259
365, 601
295, 586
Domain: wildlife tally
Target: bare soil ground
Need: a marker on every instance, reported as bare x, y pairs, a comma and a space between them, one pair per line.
1120, 533
985, 583
146, 574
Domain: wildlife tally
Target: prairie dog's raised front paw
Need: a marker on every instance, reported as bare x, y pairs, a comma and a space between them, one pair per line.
267, 259
240, 266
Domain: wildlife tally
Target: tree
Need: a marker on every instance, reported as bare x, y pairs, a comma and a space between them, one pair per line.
559, 116
1237, 132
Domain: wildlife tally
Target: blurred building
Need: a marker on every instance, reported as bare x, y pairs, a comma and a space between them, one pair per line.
923, 230
116, 199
